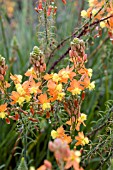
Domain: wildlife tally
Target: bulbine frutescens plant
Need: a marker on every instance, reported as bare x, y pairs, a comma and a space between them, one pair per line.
49, 95
39, 98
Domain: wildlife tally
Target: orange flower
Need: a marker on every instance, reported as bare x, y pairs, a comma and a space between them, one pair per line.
51, 87
16, 78
26, 86
84, 81
82, 140
3, 108
43, 98
62, 76
55, 90
44, 101
109, 24
14, 96
23, 91
34, 87
7, 85
66, 74
75, 87
70, 122
31, 73
48, 76
73, 160
55, 77
82, 71
60, 133
94, 10
19, 98
80, 121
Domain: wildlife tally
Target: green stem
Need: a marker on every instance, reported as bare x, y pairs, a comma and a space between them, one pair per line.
107, 85
4, 38
24, 137
45, 17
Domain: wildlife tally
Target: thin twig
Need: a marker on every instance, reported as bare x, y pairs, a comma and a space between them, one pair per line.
72, 35
80, 35
63, 41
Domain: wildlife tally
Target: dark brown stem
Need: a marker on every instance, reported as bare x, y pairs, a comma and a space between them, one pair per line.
57, 61
72, 35
83, 32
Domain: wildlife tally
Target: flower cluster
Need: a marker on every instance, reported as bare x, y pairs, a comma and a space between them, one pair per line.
65, 157
38, 61
3, 68
51, 7
60, 133
42, 93
99, 10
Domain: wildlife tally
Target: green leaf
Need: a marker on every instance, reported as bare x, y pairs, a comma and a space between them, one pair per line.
22, 165
111, 166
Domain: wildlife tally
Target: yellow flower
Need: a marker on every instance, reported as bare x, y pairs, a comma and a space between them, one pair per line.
102, 24
91, 85
46, 106
3, 108
76, 91
20, 89
83, 117
16, 78
32, 168
2, 114
73, 160
77, 154
33, 90
81, 139
19, 77
65, 74
54, 134
86, 140
59, 87
91, 3
56, 77
84, 14
27, 98
31, 73
21, 100
44, 101
94, 11
60, 96
90, 71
